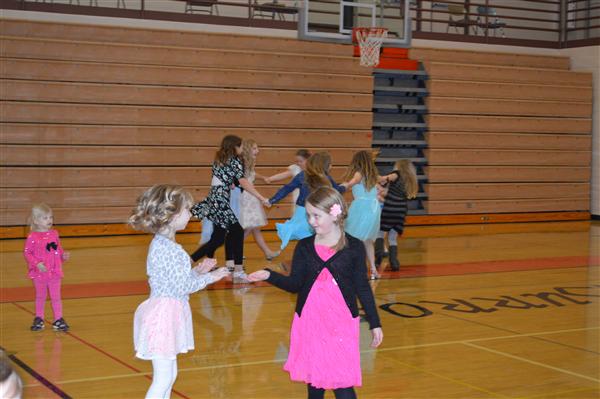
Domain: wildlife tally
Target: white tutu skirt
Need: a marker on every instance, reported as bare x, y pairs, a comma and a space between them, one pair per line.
162, 328
252, 213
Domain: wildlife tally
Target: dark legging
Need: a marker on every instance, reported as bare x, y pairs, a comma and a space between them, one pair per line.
234, 244
340, 393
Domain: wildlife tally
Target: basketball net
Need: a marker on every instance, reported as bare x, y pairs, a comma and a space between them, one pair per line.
369, 41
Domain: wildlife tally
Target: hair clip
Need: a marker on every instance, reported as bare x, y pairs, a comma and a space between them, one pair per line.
335, 210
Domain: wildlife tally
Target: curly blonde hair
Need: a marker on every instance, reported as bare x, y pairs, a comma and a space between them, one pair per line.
362, 162
157, 207
249, 160
324, 198
37, 211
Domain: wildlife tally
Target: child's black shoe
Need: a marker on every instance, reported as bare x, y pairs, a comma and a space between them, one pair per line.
60, 325
37, 325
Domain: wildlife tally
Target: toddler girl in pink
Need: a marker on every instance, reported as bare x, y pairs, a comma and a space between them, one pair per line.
45, 256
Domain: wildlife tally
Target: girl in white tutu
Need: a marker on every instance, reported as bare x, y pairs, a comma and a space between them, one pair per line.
252, 214
162, 325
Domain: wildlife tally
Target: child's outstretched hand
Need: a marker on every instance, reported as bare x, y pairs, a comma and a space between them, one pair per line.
259, 275
220, 273
377, 334
205, 266
41, 267
66, 256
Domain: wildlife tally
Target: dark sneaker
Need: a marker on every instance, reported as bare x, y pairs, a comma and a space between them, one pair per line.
60, 325
37, 325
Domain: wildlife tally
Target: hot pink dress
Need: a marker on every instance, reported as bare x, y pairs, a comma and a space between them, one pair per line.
324, 341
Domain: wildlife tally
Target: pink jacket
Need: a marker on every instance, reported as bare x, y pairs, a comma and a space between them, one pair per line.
44, 247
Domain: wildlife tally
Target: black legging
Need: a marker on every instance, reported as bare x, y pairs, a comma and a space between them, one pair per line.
234, 244
340, 393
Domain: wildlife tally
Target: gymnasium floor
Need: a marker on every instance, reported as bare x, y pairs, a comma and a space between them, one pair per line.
478, 311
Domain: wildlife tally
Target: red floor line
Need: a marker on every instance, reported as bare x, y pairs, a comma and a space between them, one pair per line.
123, 288
103, 352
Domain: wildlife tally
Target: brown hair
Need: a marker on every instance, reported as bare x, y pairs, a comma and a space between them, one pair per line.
249, 160
304, 153
38, 210
408, 174
317, 167
324, 198
363, 162
157, 207
227, 149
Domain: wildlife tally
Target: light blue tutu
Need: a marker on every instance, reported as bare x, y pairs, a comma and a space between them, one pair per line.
364, 213
295, 228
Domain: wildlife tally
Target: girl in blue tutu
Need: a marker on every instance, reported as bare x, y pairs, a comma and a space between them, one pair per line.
316, 175
365, 211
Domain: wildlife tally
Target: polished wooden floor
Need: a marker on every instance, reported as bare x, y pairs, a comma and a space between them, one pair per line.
496, 311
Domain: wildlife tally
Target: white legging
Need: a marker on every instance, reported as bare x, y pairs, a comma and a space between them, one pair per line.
163, 377
392, 237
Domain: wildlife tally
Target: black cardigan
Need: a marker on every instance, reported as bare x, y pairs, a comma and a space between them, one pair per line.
347, 266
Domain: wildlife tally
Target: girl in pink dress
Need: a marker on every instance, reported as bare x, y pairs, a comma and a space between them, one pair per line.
162, 324
329, 274
45, 256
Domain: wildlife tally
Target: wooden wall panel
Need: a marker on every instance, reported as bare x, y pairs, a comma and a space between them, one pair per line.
114, 94
81, 197
508, 124
105, 214
39, 177
93, 115
501, 73
490, 58
504, 206
19, 47
34, 155
57, 134
522, 141
506, 134
525, 174
68, 31
181, 116
507, 157
492, 191
31, 69
516, 91
486, 106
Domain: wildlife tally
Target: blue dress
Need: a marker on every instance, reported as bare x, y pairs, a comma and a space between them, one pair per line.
295, 228
364, 213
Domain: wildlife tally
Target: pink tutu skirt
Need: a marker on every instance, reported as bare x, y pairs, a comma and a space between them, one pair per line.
324, 341
162, 328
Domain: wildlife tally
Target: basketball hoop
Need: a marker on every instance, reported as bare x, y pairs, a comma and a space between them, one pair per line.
369, 41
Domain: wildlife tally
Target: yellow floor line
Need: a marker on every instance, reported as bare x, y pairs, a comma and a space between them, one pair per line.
532, 362
393, 348
558, 394
259, 362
